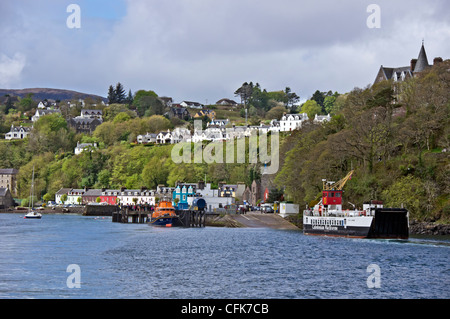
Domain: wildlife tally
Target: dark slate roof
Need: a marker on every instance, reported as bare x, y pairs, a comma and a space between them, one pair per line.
3, 192
422, 61
8, 171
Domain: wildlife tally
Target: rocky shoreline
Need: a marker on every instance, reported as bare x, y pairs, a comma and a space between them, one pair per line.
428, 228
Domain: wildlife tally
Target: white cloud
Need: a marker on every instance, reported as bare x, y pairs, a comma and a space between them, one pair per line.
203, 49
11, 69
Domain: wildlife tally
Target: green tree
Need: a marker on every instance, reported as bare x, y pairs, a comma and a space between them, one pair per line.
119, 93
319, 97
291, 97
47, 197
408, 192
311, 108
111, 95
64, 198
328, 104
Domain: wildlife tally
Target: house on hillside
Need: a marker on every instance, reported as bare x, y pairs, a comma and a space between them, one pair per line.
18, 133
290, 122
167, 101
164, 137
42, 112
192, 105
84, 147
400, 74
218, 123
322, 118
84, 125
209, 113
179, 112
147, 138
98, 114
227, 102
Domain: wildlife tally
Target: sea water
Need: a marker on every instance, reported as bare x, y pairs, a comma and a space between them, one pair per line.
112, 260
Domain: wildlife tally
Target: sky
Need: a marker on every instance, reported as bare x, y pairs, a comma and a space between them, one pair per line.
203, 50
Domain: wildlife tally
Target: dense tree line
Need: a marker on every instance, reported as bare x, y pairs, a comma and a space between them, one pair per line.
393, 134
396, 137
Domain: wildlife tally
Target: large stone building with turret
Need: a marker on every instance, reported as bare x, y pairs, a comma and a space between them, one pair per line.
399, 74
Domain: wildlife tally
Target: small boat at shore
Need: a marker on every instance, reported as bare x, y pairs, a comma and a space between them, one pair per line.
32, 214
164, 214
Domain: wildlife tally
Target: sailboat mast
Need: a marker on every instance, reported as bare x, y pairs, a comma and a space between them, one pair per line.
32, 190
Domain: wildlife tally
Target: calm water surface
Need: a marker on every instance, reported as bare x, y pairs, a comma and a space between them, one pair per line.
139, 261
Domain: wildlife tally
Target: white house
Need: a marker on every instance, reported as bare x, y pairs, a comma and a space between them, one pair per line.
147, 138
322, 118
98, 114
290, 122
180, 134
192, 105
42, 112
164, 137
18, 133
212, 198
218, 123
74, 196
84, 147
59, 194
128, 197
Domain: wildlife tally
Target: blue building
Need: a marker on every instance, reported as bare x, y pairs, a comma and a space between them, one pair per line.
183, 192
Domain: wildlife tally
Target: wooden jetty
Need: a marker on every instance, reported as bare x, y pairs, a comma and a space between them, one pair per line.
126, 216
186, 218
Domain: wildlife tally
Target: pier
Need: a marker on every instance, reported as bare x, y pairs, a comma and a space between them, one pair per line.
186, 218
126, 216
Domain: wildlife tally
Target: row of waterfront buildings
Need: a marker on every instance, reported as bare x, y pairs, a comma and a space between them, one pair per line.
182, 195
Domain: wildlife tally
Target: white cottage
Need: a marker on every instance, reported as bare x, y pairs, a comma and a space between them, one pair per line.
18, 133
290, 122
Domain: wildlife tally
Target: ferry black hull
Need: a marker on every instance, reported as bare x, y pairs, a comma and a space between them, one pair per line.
388, 223
353, 232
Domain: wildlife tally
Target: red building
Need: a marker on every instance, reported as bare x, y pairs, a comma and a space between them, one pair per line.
109, 196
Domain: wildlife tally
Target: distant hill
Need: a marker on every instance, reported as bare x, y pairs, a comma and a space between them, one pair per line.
40, 94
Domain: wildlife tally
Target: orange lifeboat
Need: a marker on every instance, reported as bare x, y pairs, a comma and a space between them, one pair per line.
164, 214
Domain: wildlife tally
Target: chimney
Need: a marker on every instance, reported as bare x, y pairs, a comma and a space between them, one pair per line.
437, 60
413, 64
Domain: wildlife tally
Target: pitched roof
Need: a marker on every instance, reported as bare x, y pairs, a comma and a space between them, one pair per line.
3, 191
63, 191
8, 171
422, 60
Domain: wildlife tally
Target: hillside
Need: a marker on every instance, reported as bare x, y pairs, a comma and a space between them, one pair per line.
40, 94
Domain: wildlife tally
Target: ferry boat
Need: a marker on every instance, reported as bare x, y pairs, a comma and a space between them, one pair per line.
164, 214
327, 218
